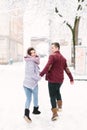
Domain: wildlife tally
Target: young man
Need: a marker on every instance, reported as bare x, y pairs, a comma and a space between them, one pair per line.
54, 71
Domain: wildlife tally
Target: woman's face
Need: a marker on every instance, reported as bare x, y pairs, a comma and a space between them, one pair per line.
33, 53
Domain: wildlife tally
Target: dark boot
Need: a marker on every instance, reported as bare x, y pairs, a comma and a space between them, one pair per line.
36, 111
26, 116
55, 115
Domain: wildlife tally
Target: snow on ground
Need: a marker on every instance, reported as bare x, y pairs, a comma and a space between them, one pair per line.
12, 99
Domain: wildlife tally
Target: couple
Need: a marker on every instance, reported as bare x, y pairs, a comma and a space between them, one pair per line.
54, 70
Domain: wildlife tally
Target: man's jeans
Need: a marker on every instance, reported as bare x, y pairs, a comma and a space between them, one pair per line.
54, 93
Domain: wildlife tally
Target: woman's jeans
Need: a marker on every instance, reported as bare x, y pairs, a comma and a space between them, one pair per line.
29, 92
54, 93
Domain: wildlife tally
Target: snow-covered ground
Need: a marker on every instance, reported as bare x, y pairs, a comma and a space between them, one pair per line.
12, 99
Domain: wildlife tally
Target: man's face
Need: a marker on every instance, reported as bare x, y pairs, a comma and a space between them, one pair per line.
53, 48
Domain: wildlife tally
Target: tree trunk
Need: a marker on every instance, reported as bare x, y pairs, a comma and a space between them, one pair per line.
75, 37
76, 30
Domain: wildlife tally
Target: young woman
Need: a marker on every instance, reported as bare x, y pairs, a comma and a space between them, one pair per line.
30, 83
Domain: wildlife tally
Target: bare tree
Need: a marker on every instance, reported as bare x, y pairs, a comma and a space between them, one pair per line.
74, 29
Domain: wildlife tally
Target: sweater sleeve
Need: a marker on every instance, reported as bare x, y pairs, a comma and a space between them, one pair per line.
69, 74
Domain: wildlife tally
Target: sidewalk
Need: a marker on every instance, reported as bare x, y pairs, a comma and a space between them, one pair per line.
12, 98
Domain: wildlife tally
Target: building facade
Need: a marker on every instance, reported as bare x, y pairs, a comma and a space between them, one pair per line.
11, 35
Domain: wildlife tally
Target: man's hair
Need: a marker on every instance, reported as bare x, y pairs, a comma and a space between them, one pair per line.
56, 44
29, 50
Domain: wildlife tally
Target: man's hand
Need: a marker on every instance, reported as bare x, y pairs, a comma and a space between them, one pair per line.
72, 82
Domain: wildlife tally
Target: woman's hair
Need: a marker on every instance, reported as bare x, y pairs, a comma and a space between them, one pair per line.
29, 50
56, 44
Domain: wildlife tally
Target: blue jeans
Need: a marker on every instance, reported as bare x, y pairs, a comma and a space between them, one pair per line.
29, 92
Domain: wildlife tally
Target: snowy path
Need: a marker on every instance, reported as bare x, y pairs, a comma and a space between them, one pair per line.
12, 98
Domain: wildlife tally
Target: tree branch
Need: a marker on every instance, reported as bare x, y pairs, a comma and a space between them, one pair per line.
79, 7
56, 10
81, 0
69, 26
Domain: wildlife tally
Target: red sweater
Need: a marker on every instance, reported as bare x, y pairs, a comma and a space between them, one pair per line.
55, 68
